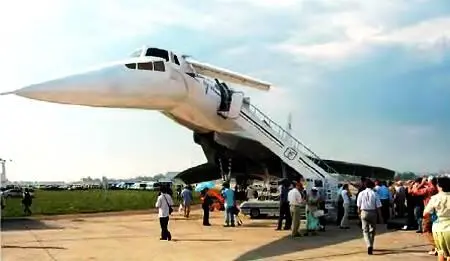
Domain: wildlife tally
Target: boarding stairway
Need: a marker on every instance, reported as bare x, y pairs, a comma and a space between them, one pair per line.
290, 150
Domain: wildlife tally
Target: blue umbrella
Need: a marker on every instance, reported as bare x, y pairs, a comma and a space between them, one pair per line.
203, 185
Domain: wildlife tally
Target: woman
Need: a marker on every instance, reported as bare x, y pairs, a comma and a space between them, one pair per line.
312, 205
164, 204
346, 206
439, 205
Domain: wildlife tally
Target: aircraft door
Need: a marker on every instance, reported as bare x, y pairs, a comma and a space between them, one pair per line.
237, 99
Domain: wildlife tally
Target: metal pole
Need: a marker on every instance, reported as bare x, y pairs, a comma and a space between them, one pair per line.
3, 178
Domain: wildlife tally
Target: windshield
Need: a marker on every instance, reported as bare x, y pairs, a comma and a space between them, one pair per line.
136, 53
155, 52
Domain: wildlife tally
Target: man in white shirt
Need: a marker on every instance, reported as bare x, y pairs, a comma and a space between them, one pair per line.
164, 204
296, 201
369, 207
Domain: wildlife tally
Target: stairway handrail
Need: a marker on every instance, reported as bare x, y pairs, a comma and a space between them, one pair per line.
282, 133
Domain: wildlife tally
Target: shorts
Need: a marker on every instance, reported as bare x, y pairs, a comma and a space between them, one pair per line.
442, 241
427, 224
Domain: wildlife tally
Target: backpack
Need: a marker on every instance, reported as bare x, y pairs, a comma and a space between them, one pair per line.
27, 200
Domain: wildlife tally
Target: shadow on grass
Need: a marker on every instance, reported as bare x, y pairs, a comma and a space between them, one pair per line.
19, 224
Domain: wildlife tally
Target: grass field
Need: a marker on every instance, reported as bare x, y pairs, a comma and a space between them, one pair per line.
84, 201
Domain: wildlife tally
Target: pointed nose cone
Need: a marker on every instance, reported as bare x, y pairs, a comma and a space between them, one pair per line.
115, 86
82, 89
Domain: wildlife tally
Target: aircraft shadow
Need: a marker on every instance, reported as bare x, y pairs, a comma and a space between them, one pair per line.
200, 240
25, 224
376, 252
33, 247
287, 244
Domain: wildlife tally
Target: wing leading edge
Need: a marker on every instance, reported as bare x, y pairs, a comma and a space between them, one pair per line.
229, 76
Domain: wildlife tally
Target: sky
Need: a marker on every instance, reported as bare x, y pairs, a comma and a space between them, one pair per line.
365, 81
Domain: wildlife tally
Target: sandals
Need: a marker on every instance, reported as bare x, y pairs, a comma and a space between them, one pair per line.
433, 252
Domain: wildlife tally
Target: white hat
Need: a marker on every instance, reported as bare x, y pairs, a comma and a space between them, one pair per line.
314, 188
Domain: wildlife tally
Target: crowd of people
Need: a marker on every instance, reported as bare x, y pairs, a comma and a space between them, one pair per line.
425, 202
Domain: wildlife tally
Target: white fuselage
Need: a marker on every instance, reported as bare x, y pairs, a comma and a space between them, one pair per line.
192, 102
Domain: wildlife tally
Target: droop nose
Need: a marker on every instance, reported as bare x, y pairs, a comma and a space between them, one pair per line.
114, 86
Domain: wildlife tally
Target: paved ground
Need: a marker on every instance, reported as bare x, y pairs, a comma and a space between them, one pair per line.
136, 237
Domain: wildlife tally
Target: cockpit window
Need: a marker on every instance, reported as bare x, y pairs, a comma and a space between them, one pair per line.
136, 53
175, 58
131, 65
159, 66
155, 52
145, 66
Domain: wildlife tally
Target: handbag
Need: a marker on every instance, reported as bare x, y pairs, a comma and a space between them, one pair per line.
170, 207
318, 213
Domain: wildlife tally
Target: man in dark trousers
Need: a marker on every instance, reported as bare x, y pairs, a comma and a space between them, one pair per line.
27, 201
285, 212
206, 204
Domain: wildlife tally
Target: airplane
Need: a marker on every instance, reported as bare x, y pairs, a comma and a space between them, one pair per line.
238, 139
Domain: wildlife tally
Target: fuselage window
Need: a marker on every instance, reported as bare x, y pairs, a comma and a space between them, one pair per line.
131, 65
155, 52
145, 66
175, 58
159, 66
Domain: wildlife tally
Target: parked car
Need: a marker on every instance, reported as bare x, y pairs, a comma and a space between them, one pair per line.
16, 193
257, 208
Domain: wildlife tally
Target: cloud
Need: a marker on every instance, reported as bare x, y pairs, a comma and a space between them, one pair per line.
339, 30
360, 38
385, 104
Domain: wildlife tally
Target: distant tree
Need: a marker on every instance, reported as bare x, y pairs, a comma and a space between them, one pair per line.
158, 177
407, 175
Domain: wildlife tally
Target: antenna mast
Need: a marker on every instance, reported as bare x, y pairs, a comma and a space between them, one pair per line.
289, 123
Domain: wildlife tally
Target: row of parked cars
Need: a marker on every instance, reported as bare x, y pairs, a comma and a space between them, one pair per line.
14, 192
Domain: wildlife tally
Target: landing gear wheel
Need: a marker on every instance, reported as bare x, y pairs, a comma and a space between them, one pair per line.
254, 213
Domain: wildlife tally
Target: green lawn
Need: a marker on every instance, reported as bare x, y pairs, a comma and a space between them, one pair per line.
84, 201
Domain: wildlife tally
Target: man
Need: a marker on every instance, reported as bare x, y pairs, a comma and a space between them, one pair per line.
385, 197
399, 199
361, 187
426, 189
285, 212
369, 207
206, 204
27, 201
187, 198
419, 206
296, 201
164, 204
339, 205
3, 200
228, 195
